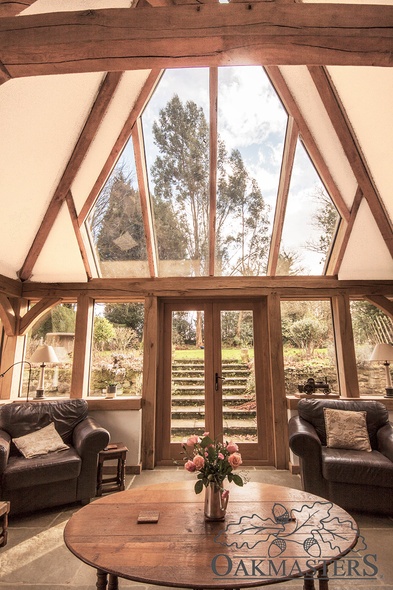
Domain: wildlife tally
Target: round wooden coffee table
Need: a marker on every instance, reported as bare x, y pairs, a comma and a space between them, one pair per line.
271, 534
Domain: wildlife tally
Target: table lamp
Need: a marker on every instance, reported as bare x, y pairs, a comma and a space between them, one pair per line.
384, 352
43, 354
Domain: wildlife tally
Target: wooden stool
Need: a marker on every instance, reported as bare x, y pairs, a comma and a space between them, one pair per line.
4, 510
113, 451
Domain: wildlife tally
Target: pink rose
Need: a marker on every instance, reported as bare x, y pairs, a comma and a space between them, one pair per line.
193, 440
190, 466
220, 456
198, 461
232, 447
235, 460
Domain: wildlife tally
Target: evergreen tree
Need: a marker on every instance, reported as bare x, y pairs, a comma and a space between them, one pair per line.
324, 221
117, 221
180, 174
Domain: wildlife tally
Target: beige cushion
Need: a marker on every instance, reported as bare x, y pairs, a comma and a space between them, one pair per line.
346, 429
43, 441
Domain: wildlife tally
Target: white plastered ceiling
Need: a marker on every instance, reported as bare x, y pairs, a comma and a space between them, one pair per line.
41, 120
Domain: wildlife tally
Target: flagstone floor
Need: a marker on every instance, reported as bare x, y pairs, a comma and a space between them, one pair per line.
36, 558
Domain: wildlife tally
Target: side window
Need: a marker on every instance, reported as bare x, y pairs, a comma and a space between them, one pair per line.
117, 349
308, 345
371, 326
55, 329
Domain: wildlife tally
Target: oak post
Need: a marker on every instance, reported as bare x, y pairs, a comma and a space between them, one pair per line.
345, 347
279, 406
149, 388
82, 347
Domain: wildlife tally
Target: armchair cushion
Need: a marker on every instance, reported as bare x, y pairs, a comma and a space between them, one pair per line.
346, 429
40, 442
42, 470
357, 467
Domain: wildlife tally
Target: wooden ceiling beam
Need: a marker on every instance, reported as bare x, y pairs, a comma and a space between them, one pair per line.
87, 135
348, 141
287, 287
197, 35
290, 143
10, 287
121, 141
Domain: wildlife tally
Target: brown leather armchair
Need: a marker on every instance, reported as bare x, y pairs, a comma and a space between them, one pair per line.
355, 480
56, 478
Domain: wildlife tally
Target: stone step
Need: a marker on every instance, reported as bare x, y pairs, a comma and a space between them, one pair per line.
198, 389
227, 400
188, 371
231, 427
200, 363
232, 380
180, 413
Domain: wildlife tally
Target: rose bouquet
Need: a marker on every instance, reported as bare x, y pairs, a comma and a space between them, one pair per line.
212, 460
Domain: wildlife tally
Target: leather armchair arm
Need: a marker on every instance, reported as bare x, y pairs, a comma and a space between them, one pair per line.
5, 445
385, 440
89, 438
304, 442
303, 439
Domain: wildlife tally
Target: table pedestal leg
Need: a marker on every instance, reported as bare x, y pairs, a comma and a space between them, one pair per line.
113, 582
323, 579
309, 583
102, 580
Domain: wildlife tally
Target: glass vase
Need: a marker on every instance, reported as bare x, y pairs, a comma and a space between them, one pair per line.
216, 500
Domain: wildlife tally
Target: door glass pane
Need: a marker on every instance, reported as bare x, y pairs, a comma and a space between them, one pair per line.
187, 375
238, 385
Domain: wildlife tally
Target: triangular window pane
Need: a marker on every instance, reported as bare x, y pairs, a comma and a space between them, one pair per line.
251, 131
176, 134
115, 223
311, 221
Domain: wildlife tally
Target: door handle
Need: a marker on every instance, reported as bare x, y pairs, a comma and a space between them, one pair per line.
217, 377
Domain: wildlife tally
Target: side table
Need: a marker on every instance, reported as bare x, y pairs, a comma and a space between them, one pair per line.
4, 510
115, 483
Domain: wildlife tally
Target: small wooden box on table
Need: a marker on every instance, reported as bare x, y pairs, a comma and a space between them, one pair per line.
4, 510
114, 483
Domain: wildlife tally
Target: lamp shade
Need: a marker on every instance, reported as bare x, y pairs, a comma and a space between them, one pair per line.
44, 354
382, 352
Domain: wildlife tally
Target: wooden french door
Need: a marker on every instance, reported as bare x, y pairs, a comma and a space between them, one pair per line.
215, 377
